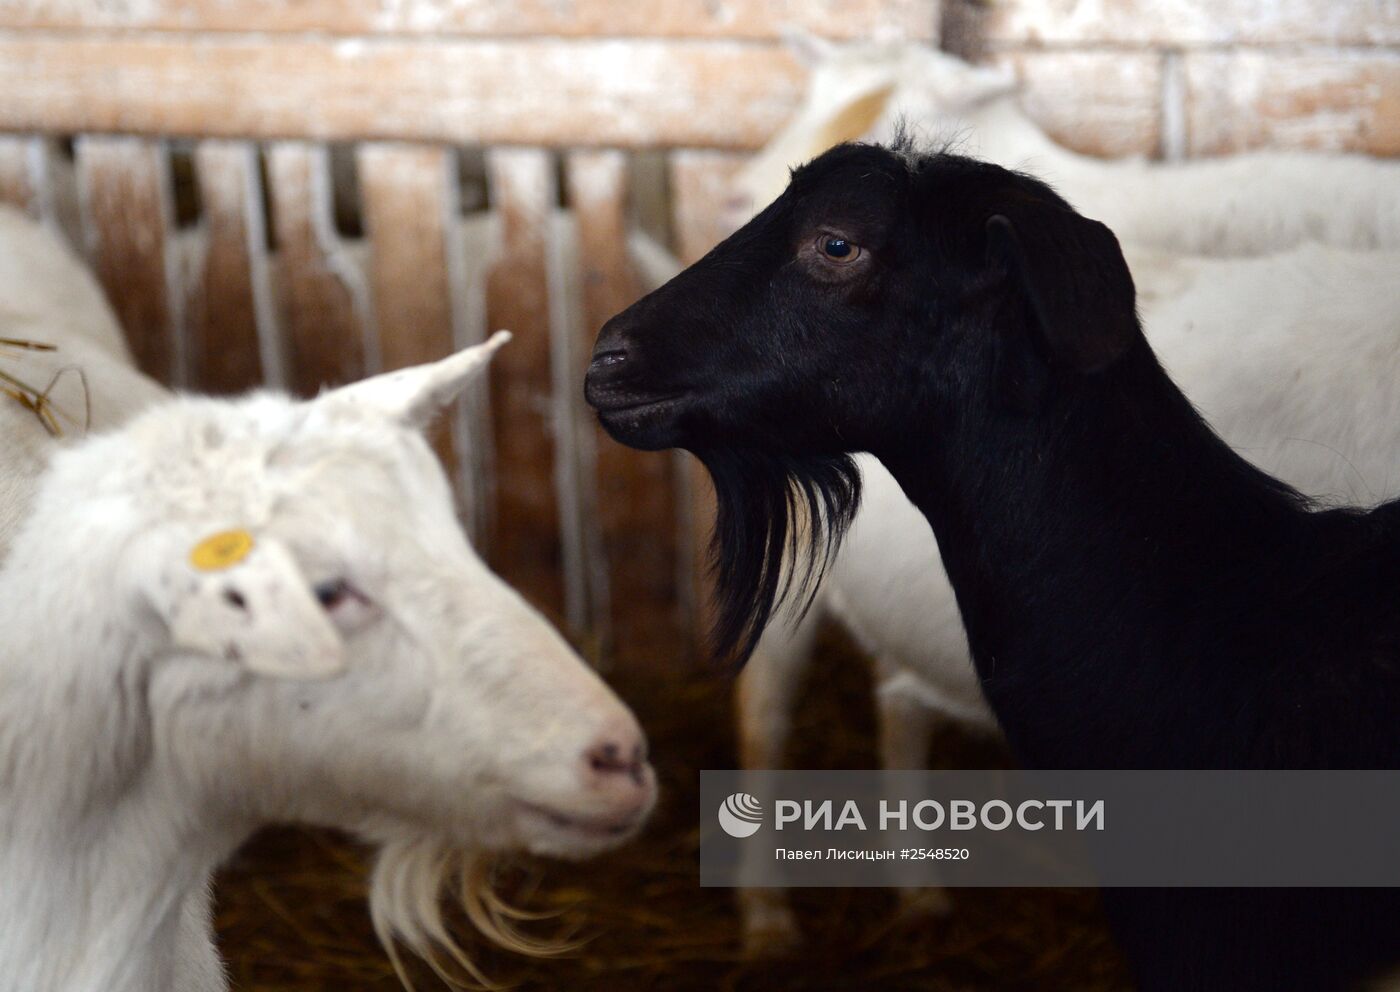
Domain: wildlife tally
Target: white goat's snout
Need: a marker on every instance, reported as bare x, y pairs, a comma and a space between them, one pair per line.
614, 768
584, 784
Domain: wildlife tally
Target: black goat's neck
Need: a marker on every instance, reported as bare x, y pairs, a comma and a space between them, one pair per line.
1077, 538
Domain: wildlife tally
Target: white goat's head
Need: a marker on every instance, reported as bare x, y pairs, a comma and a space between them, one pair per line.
860, 91
321, 644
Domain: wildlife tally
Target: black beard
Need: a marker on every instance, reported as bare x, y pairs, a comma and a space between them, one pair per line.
764, 501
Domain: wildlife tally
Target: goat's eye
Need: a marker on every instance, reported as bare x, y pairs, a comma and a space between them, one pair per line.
838, 250
332, 593
348, 608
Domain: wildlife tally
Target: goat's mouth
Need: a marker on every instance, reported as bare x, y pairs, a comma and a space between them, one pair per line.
559, 832
631, 404
647, 422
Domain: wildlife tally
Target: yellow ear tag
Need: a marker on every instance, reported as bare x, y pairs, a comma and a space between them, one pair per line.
223, 550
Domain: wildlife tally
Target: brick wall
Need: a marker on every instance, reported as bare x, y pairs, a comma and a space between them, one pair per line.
1182, 78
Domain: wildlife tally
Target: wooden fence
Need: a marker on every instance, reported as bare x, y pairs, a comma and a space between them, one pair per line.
301, 193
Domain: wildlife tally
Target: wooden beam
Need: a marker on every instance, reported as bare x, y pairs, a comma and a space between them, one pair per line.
634, 493
125, 192
324, 300
228, 303
526, 542
765, 19
543, 92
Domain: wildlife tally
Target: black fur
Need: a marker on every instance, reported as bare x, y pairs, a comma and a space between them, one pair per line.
1135, 594
762, 501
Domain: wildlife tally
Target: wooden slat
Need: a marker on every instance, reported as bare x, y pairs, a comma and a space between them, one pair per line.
324, 303
56, 189
410, 205
1164, 23
1331, 102
526, 541
16, 178
407, 193
541, 92
635, 505
700, 185
471, 239
228, 303
125, 192
707, 18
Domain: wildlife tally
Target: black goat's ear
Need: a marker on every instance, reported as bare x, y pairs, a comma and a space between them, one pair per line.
1074, 275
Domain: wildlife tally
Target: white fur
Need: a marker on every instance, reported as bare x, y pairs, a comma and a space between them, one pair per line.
1241, 205
47, 296
1294, 358
150, 722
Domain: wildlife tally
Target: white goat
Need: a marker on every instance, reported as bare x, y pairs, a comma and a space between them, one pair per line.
1242, 205
47, 296
227, 613
1294, 358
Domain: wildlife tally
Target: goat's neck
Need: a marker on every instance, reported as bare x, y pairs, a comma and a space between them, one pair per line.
105, 870
1076, 541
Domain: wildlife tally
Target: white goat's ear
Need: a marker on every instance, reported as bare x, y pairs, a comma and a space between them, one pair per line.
243, 599
809, 49
852, 119
413, 396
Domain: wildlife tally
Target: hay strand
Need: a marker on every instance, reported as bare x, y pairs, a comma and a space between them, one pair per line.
38, 401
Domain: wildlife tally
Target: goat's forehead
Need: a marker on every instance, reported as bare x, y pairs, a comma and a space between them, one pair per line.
883, 184
255, 451
850, 163
850, 176
861, 190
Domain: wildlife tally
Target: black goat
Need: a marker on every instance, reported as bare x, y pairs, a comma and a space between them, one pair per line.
1135, 594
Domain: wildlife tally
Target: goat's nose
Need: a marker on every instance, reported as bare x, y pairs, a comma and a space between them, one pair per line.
610, 349
608, 359
608, 364
617, 756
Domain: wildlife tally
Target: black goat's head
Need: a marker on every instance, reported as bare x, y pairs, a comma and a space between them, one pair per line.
883, 292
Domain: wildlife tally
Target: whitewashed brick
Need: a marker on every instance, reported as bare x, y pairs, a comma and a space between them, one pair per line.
1193, 22
1098, 102
1332, 101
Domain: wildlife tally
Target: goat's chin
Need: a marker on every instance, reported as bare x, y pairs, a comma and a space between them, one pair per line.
650, 426
558, 833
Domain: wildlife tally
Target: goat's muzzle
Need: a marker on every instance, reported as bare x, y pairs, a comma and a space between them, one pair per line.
629, 403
